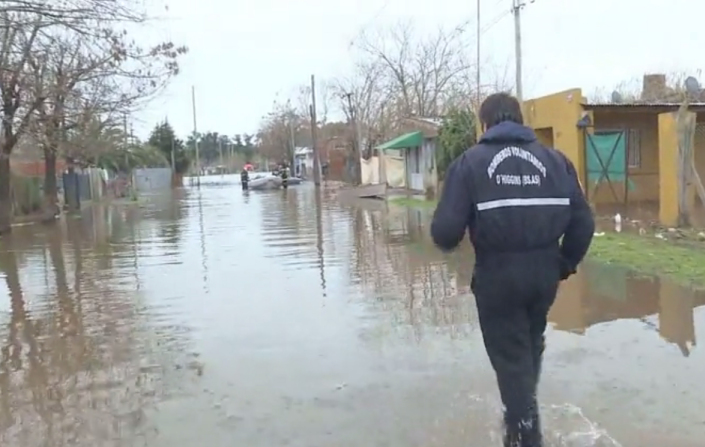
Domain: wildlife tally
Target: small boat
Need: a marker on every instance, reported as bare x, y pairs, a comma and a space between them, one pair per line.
265, 182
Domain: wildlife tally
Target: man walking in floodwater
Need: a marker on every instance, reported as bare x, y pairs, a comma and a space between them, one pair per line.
516, 198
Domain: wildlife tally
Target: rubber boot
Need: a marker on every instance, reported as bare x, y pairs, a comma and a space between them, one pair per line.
511, 439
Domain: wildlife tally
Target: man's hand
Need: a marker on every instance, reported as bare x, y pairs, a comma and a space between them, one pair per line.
566, 270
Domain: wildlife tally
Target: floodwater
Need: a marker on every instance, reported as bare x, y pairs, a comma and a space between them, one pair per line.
213, 317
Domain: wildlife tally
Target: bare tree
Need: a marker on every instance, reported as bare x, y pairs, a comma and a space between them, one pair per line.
64, 63
85, 81
275, 132
363, 96
303, 99
68, 13
421, 73
651, 87
399, 73
18, 37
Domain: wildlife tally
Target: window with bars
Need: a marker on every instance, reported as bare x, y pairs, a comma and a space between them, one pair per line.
633, 148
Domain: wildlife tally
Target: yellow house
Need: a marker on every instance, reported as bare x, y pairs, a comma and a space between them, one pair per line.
624, 153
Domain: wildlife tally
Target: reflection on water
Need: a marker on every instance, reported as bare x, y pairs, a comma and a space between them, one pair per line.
212, 315
71, 364
603, 294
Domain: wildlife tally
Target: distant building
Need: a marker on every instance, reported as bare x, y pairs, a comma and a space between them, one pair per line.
410, 158
303, 162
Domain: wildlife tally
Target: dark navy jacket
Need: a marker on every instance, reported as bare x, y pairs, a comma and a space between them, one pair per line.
514, 195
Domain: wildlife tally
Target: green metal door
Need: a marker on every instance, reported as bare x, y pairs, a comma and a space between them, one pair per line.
606, 161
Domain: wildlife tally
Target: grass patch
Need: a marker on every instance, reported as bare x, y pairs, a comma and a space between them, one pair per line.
682, 260
413, 202
650, 255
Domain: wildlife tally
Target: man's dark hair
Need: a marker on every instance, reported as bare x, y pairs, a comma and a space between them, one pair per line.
500, 107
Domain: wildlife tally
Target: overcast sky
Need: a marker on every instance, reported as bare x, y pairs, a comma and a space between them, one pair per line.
245, 53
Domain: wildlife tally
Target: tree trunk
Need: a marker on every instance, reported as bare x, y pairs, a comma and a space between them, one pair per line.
73, 195
5, 194
51, 194
178, 180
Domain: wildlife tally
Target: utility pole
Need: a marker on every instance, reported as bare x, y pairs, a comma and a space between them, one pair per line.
292, 141
479, 34
314, 135
125, 142
516, 9
195, 136
380, 154
357, 149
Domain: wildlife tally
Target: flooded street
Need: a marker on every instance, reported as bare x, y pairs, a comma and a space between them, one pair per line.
212, 317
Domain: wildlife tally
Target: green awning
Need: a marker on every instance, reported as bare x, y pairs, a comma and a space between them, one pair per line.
411, 139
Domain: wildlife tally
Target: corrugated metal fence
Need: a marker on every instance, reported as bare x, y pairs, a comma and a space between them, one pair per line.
151, 179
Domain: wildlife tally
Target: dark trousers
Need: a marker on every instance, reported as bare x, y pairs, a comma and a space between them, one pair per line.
245, 186
513, 299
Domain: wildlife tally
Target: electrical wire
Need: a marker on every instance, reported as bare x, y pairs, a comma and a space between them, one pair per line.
494, 21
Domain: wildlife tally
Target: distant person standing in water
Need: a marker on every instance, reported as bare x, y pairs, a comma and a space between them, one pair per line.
285, 176
245, 179
530, 225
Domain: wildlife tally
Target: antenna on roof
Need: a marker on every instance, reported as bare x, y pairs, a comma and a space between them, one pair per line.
617, 97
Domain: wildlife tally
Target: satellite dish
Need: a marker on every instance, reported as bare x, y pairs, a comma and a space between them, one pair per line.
617, 97
692, 86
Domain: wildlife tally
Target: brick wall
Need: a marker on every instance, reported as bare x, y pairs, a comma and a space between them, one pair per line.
33, 168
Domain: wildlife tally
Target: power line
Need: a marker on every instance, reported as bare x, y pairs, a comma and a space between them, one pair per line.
481, 30
498, 18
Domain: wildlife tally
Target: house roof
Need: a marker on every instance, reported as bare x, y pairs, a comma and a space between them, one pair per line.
432, 120
407, 140
644, 106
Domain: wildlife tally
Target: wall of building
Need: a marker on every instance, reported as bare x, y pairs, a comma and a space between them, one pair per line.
699, 145
651, 131
33, 168
333, 151
557, 116
641, 131
669, 162
430, 170
554, 119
